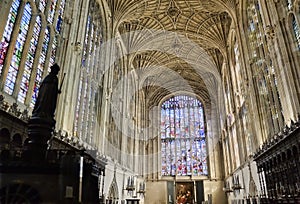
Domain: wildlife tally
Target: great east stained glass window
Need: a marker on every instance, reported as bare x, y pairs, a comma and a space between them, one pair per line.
183, 143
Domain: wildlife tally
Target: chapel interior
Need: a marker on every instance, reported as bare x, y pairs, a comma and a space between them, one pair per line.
159, 101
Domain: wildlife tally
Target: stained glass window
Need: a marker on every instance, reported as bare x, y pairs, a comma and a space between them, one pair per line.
41, 65
60, 16
17, 54
263, 71
296, 31
29, 61
85, 47
289, 4
8, 31
42, 5
183, 143
88, 86
53, 52
51, 11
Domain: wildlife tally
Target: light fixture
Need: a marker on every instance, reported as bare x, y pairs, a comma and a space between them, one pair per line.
130, 185
141, 190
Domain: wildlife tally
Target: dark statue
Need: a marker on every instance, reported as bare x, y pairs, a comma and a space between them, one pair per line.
46, 101
42, 123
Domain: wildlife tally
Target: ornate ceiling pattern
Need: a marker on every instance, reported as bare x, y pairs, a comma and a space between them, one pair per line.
175, 44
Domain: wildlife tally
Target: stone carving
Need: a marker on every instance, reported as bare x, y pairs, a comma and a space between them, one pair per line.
14, 110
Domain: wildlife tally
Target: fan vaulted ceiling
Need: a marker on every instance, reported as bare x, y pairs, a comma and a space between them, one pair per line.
176, 45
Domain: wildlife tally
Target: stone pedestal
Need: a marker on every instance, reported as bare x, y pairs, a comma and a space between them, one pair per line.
39, 132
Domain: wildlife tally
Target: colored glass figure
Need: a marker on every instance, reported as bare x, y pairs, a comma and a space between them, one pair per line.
182, 153
296, 31
60, 16
53, 52
42, 5
51, 11
84, 55
40, 67
5, 41
18, 50
29, 61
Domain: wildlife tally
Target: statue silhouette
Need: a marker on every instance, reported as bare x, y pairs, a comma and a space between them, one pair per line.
47, 97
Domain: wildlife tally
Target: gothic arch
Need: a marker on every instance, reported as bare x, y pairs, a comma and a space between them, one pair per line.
113, 192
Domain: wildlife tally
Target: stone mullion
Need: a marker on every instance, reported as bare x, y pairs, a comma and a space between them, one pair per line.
48, 53
93, 85
274, 88
81, 107
88, 68
32, 78
90, 130
286, 90
259, 98
24, 54
4, 11
138, 130
234, 105
69, 57
107, 92
84, 121
263, 55
271, 94
124, 119
144, 137
231, 150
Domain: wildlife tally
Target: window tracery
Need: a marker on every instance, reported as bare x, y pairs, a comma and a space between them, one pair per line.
23, 70
85, 114
262, 67
6, 38
183, 143
18, 50
30, 59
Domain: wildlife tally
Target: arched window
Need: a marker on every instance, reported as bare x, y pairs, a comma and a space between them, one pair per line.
41, 65
183, 143
263, 72
31, 44
89, 84
18, 50
29, 61
8, 31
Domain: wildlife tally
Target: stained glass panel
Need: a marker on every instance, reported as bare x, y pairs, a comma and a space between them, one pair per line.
29, 61
18, 50
42, 5
53, 52
8, 31
296, 31
51, 11
40, 67
183, 144
60, 16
